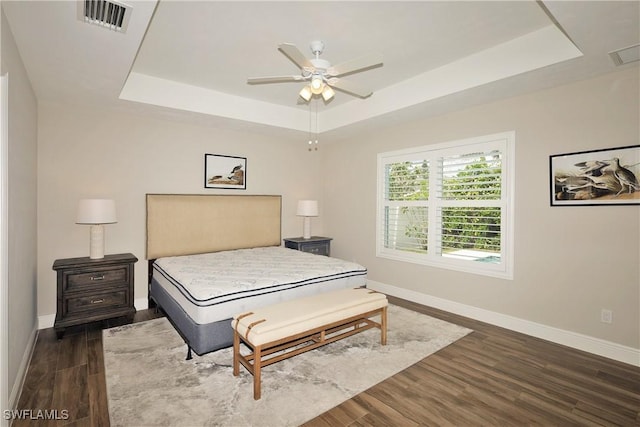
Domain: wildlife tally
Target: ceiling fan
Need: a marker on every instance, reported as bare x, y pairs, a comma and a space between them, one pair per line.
320, 74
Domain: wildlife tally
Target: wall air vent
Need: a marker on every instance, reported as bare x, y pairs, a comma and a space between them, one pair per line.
626, 55
109, 14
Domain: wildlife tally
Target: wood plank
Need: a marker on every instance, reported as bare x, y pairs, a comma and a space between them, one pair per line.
95, 356
71, 392
344, 414
47, 346
72, 350
98, 406
549, 412
378, 413
37, 391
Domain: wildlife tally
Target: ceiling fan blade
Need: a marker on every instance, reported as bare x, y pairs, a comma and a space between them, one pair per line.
355, 65
294, 54
349, 87
274, 79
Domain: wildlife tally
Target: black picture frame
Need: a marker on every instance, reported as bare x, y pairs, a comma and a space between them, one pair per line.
604, 177
225, 172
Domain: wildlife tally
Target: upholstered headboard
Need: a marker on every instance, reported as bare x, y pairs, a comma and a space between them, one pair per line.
184, 224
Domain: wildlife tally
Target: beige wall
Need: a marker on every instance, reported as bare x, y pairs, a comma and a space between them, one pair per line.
85, 153
22, 209
569, 261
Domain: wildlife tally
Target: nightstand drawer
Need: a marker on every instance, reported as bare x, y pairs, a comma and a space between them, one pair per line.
102, 301
81, 280
315, 244
316, 248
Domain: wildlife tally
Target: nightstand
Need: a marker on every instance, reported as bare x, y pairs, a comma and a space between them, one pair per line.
93, 289
316, 244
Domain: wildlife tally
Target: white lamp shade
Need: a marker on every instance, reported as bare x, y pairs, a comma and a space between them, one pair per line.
305, 93
327, 93
96, 211
307, 208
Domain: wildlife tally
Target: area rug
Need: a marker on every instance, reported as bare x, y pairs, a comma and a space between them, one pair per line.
150, 383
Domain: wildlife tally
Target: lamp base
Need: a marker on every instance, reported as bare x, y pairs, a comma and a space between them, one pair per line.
96, 246
306, 231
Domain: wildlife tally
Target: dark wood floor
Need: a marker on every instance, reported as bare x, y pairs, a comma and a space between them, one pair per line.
490, 377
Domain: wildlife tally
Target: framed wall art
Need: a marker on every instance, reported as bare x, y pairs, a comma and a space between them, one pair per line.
227, 172
610, 176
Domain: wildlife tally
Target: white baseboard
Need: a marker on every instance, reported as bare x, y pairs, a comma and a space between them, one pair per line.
586, 343
141, 303
16, 390
47, 320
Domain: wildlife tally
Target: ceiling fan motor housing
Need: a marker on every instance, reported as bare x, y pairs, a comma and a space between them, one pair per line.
317, 46
320, 64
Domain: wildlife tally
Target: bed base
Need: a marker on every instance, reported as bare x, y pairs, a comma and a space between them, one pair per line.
199, 338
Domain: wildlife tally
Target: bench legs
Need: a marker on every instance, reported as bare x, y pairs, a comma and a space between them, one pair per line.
254, 369
257, 362
383, 326
254, 361
236, 354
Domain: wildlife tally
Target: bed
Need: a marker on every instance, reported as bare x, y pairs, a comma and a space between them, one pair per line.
213, 256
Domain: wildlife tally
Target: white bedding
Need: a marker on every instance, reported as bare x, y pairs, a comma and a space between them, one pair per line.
215, 286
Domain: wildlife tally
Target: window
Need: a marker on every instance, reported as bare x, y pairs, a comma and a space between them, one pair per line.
449, 205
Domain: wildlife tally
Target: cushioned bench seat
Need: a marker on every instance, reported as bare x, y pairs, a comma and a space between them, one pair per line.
283, 330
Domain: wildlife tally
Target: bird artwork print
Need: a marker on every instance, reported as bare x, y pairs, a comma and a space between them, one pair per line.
603, 178
225, 171
235, 177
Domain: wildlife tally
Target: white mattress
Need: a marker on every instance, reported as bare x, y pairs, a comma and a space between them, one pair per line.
215, 286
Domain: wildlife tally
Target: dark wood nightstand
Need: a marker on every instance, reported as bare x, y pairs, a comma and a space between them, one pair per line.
316, 244
93, 289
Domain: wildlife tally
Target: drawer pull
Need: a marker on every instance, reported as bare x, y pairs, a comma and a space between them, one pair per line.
97, 301
97, 277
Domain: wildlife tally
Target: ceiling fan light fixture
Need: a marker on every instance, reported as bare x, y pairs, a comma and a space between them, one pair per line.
327, 93
305, 93
316, 84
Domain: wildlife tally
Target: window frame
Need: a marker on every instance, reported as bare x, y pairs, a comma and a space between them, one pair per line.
505, 143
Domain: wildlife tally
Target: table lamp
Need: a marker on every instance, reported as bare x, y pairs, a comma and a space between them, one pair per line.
96, 212
307, 209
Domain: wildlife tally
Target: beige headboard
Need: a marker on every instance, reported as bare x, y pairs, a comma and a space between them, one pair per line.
184, 224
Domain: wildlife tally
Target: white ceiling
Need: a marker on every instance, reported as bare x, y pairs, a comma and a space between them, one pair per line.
190, 60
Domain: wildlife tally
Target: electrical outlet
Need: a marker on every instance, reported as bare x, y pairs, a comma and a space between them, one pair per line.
606, 316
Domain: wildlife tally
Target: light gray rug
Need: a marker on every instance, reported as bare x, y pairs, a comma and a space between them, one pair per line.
149, 382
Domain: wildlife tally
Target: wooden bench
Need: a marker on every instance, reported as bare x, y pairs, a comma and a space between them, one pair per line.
286, 329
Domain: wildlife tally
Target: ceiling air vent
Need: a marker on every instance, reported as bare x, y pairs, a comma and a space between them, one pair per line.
626, 55
109, 14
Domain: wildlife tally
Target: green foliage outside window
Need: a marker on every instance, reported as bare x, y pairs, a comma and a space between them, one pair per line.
473, 227
476, 228
406, 182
